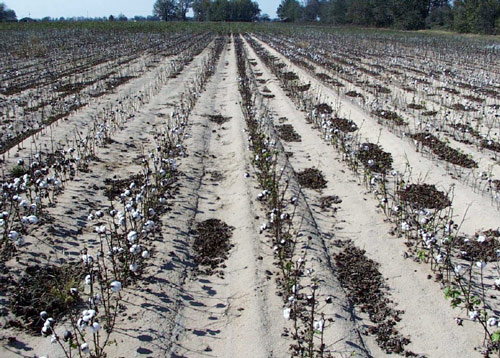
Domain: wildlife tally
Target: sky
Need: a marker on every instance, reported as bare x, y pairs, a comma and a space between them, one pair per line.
98, 8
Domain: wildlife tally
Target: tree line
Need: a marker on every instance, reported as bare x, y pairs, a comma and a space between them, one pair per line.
207, 10
479, 16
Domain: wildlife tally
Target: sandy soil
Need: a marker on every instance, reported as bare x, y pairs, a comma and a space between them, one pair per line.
175, 310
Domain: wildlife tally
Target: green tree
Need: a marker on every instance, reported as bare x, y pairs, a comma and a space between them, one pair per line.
312, 10
289, 10
183, 7
440, 14
201, 9
410, 14
7, 14
243, 10
165, 9
359, 12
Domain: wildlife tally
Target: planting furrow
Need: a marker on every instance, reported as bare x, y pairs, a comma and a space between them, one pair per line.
427, 319
228, 305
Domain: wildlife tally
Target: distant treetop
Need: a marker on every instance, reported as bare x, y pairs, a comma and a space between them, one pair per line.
7, 14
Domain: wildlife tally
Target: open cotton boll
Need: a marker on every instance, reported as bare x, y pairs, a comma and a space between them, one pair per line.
115, 286
132, 236
13, 235
286, 313
133, 267
85, 348
319, 325
95, 327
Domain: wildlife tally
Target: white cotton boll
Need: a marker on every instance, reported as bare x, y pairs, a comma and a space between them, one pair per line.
95, 327
13, 235
145, 254
132, 236
135, 249
20, 241
481, 238
492, 321
459, 270
149, 225
88, 280
473, 315
115, 286
133, 267
286, 313
319, 325
100, 229
85, 348
481, 264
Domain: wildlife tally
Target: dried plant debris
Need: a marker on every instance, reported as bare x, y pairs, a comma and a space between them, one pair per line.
312, 178
491, 145
484, 246
354, 94
115, 187
461, 107
326, 202
288, 133
344, 125
374, 158
416, 106
390, 116
366, 290
424, 196
218, 118
290, 76
212, 244
381, 89
216, 176
54, 289
443, 151
326, 78
323, 108
429, 113
467, 129
304, 88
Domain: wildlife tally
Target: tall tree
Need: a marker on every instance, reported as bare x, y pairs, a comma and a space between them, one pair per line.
165, 9
312, 10
243, 10
6, 14
201, 9
183, 7
290, 10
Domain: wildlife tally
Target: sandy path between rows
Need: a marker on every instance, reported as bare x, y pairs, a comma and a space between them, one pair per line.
238, 315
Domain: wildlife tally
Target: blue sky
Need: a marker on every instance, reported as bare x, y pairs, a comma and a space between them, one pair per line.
98, 8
